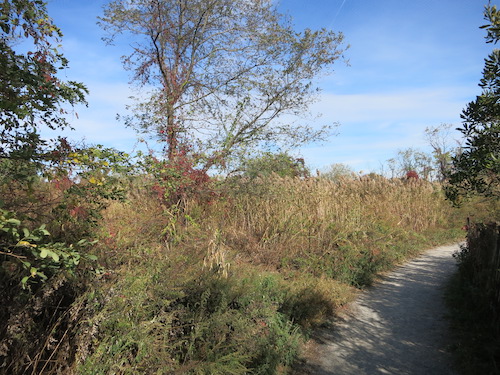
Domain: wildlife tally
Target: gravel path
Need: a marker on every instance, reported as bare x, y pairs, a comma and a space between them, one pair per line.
397, 327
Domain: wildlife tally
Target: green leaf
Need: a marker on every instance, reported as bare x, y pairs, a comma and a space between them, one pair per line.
13, 221
44, 253
43, 231
54, 256
24, 280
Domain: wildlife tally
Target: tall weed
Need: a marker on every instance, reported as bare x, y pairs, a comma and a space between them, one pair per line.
329, 228
233, 285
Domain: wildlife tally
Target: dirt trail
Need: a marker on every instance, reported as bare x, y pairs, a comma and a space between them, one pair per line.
397, 327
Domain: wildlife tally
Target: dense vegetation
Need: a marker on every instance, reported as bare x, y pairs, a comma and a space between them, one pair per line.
474, 298
474, 293
227, 281
111, 264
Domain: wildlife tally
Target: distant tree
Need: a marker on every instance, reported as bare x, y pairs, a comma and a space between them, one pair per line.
411, 160
220, 73
477, 168
31, 95
338, 171
281, 164
443, 148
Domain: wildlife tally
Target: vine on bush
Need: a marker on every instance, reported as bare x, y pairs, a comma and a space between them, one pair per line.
86, 179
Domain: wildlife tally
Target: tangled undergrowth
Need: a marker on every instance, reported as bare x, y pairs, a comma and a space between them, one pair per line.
230, 285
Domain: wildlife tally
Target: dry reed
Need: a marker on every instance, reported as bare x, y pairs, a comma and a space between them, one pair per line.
272, 218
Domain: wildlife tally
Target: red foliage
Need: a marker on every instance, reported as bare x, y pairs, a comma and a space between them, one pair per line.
179, 178
79, 212
63, 183
412, 175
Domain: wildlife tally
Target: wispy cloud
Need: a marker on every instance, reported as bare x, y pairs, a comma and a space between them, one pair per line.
410, 105
375, 126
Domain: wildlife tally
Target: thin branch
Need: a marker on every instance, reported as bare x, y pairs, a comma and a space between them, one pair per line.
13, 255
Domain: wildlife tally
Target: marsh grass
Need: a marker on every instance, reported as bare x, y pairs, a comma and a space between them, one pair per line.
233, 286
331, 228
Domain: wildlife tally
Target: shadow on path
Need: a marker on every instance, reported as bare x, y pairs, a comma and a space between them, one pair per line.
397, 327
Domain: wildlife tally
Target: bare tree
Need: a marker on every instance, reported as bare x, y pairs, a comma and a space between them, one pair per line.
220, 73
443, 148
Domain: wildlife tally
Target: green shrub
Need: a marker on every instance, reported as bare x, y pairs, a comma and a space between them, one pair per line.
28, 257
268, 164
211, 325
473, 296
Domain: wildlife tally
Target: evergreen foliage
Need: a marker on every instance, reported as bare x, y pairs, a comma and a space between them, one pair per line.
477, 168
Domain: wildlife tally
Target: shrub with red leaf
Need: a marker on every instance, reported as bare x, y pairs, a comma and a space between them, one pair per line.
62, 183
412, 175
178, 179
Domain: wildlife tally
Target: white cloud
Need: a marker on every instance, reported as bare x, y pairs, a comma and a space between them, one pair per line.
375, 126
383, 108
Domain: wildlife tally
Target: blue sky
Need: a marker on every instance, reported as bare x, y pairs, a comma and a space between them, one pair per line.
412, 64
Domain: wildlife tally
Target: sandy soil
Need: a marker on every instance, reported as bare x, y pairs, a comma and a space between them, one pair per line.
396, 327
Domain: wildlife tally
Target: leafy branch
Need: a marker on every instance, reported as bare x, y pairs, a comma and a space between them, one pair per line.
28, 255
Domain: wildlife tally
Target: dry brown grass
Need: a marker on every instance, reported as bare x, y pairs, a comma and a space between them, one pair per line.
277, 221
267, 220
348, 229
249, 271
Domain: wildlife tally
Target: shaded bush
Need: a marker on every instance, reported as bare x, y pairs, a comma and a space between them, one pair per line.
210, 325
474, 296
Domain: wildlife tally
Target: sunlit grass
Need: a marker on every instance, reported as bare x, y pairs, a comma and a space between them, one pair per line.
211, 287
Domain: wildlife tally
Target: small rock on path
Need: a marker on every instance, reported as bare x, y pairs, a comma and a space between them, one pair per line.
397, 327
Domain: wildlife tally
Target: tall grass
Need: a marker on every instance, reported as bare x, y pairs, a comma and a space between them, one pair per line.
233, 285
286, 221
